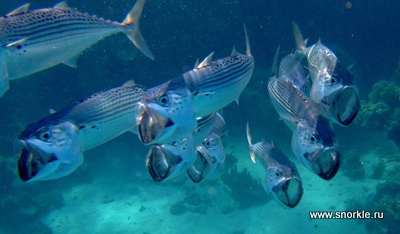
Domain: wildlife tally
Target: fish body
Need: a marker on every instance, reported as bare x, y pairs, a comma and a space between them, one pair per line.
282, 179
333, 87
166, 113
53, 146
208, 88
210, 153
32, 41
166, 161
312, 132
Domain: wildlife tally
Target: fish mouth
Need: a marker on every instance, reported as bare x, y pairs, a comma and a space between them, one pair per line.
201, 167
32, 161
289, 192
325, 163
151, 124
346, 105
161, 163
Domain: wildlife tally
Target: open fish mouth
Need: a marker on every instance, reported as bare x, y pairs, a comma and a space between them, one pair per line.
325, 163
201, 167
161, 163
289, 192
31, 162
346, 106
151, 125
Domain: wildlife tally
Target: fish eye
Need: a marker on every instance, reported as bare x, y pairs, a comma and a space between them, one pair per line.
163, 100
44, 134
333, 80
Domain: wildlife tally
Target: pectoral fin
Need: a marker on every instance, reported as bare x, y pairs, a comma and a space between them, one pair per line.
72, 62
16, 43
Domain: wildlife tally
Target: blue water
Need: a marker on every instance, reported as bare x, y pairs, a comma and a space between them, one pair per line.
112, 191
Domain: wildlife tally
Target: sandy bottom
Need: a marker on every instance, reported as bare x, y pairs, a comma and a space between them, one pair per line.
112, 203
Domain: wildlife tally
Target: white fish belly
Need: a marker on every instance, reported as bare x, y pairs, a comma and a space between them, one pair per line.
32, 58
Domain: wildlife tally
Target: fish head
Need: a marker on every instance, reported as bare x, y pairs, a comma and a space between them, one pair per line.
315, 146
49, 151
210, 157
165, 114
169, 160
284, 184
336, 92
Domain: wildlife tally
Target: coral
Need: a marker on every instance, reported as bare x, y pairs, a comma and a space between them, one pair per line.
387, 200
245, 190
385, 91
382, 110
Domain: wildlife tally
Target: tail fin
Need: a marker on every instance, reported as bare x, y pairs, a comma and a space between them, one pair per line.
133, 28
300, 42
252, 156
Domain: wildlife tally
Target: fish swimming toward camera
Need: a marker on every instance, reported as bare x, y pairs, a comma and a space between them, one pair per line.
166, 161
313, 141
168, 112
282, 179
53, 146
210, 154
32, 41
333, 88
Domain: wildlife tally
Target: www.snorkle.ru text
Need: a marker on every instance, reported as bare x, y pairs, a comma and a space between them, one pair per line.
358, 214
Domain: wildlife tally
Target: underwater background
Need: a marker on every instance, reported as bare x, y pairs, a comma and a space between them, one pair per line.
112, 191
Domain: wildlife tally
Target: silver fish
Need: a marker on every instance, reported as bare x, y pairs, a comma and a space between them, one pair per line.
210, 154
165, 161
53, 146
282, 179
32, 41
170, 109
291, 68
333, 87
312, 132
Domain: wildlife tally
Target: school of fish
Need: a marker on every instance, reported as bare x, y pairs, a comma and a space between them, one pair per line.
181, 119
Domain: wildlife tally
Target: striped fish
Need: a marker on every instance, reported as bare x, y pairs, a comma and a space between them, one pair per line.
333, 88
53, 146
313, 141
32, 41
166, 161
282, 179
172, 107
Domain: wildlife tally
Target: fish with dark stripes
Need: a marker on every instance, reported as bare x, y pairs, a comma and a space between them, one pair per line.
210, 153
53, 146
313, 140
166, 161
32, 41
333, 87
282, 179
168, 112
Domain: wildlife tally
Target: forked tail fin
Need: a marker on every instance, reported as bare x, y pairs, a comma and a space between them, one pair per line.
132, 24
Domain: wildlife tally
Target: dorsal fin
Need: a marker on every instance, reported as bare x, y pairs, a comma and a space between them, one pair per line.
206, 61
21, 9
62, 6
52, 111
197, 63
275, 63
129, 83
252, 156
248, 50
234, 52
